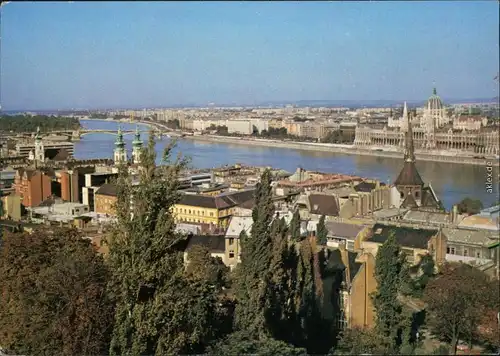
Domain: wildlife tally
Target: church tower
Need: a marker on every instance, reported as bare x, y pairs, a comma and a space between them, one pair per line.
409, 182
120, 153
137, 147
404, 119
39, 148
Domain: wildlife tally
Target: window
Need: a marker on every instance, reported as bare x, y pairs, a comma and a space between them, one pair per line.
231, 241
402, 195
417, 194
478, 254
211, 214
466, 253
231, 254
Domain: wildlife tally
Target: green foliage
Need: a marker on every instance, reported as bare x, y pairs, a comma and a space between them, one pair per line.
339, 136
441, 350
253, 271
220, 130
158, 310
457, 300
173, 124
358, 341
203, 267
28, 123
278, 283
53, 300
470, 206
275, 133
240, 343
424, 274
391, 273
100, 116
295, 226
321, 232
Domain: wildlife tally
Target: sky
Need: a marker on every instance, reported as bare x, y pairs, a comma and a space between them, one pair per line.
141, 54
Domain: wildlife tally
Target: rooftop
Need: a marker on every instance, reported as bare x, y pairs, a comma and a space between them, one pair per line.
405, 236
107, 189
221, 201
322, 204
338, 229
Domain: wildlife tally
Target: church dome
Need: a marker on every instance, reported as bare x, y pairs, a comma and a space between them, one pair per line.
434, 102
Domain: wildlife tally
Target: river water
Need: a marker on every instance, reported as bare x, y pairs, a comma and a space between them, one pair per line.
451, 182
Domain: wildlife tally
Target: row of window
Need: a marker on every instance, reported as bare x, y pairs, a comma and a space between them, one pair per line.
452, 251
193, 212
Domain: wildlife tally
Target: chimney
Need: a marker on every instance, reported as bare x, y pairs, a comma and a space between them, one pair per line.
454, 214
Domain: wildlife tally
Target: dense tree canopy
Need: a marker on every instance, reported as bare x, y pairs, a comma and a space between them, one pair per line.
28, 123
321, 231
458, 300
295, 226
358, 341
392, 277
470, 206
158, 310
53, 299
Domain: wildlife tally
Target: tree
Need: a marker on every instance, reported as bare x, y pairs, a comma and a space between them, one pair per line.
425, 269
53, 297
470, 206
240, 343
29, 123
203, 267
295, 226
253, 271
173, 124
456, 301
321, 231
391, 274
158, 310
359, 341
308, 291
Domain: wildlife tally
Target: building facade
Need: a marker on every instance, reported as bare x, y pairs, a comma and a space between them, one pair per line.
33, 186
433, 129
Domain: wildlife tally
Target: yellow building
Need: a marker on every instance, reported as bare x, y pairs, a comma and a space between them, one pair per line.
12, 207
215, 210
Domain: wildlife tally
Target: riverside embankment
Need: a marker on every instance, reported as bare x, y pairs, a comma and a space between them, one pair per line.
436, 156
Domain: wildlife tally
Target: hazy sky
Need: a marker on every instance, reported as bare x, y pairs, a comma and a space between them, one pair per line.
91, 55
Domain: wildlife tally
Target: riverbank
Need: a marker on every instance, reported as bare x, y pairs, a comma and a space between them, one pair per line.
346, 149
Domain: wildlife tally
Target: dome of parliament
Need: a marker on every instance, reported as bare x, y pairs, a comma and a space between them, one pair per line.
434, 102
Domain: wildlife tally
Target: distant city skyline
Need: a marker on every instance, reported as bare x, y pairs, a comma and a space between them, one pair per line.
139, 54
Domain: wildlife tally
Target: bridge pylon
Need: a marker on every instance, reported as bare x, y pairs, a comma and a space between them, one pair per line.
75, 135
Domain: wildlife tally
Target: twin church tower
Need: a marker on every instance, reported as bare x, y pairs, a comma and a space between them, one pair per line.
120, 152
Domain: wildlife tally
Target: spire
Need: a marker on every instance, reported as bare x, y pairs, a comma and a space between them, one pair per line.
137, 140
119, 139
405, 112
409, 149
38, 136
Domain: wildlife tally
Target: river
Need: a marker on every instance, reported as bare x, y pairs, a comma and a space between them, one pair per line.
452, 182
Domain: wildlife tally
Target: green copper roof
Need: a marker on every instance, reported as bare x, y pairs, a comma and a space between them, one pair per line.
119, 139
38, 136
137, 140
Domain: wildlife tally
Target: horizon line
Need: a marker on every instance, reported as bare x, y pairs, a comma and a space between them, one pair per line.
356, 102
